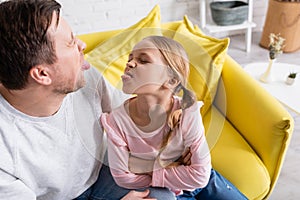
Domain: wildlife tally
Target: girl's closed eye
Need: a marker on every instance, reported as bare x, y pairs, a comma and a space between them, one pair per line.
143, 61
143, 58
140, 60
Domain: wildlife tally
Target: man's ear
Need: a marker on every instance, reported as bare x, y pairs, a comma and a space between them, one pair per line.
40, 74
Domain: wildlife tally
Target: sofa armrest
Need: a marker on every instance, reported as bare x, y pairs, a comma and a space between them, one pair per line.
264, 123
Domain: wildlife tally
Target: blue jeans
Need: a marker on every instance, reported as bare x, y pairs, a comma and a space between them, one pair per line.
218, 188
105, 188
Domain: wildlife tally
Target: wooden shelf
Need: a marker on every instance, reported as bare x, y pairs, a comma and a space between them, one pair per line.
213, 28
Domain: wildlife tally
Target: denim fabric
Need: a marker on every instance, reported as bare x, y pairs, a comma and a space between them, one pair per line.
218, 188
106, 188
189, 195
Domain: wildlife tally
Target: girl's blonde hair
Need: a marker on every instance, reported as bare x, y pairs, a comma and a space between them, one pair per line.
178, 65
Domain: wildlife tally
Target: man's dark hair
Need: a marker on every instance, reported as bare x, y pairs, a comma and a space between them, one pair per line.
24, 41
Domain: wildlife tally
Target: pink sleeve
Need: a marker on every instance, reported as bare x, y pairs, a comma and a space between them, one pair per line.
118, 155
197, 174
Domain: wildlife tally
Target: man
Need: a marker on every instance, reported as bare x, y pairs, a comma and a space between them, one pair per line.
51, 143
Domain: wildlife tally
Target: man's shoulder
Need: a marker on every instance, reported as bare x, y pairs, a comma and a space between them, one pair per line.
93, 76
6, 119
7, 143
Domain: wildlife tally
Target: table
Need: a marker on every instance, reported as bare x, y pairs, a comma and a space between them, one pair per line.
289, 95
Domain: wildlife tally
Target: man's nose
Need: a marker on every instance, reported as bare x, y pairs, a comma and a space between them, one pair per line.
81, 45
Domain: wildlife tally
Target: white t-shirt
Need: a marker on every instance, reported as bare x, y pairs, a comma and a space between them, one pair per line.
60, 156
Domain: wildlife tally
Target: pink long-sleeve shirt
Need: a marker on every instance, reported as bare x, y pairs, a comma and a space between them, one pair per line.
132, 153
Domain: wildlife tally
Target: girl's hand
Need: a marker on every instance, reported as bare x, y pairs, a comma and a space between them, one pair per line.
184, 159
137, 195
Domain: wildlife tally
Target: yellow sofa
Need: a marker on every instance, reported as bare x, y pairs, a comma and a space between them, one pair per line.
248, 131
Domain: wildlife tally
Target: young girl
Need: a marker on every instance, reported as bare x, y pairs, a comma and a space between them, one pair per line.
149, 133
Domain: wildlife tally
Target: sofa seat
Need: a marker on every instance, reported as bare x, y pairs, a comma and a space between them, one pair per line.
234, 158
247, 129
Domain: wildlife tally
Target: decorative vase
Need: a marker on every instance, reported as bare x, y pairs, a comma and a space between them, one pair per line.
289, 81
266, 77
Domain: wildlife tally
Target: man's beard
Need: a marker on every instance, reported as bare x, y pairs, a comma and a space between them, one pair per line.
63, 88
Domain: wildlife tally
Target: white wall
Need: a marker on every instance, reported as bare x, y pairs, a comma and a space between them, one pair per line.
97, 15
260, 8
86, 16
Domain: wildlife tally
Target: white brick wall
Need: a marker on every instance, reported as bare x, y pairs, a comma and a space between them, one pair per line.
86, 16
97, 15
260, 8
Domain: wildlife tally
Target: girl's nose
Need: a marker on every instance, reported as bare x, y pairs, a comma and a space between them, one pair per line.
131, 64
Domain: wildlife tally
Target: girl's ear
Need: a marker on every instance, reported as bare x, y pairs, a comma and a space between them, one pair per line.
172, 83
40, 74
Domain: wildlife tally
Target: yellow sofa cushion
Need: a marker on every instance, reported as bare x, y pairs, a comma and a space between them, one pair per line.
207, 56
110, 57
234, 158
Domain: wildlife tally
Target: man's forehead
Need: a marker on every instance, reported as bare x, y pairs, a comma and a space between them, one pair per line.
56, 20
59, 25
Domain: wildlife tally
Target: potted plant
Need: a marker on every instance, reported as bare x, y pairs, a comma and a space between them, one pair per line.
291, 78
275, 48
